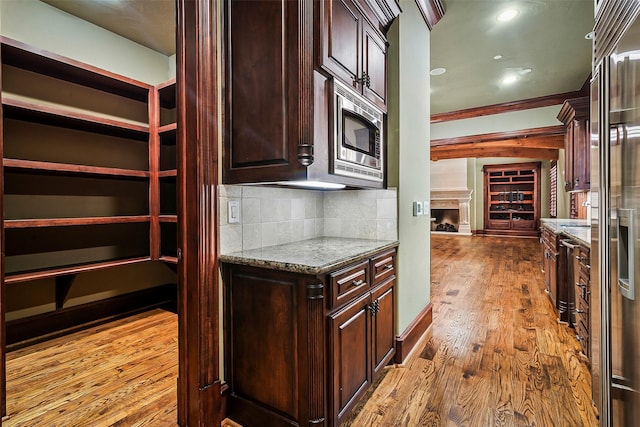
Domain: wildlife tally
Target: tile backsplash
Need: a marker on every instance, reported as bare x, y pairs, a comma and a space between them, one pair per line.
272, 216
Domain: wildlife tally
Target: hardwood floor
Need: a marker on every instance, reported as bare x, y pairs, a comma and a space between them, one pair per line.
121, 373
494, 355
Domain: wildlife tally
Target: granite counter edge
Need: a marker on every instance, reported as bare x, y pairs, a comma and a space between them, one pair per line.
302, 268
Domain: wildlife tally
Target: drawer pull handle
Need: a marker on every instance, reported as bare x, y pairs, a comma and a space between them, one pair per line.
357, 282
374, 307
389, 267
578, 311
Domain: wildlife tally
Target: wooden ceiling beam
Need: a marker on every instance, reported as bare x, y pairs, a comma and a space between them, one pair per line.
546, 131
535, 143
441, 153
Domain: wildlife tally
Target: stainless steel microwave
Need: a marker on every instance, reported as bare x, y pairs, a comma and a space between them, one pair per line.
358, 136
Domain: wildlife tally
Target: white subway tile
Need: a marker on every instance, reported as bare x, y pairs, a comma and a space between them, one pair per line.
284, 232
297, 209
269, 234
250, 211
251, 236
230, 238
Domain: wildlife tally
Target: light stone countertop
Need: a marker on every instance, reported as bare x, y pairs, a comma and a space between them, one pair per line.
312, 256
577, 229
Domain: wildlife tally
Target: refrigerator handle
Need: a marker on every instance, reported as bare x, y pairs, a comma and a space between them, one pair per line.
626, 253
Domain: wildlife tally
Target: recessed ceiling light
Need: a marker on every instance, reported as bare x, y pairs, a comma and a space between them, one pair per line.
438, 71
590, 35
498, 56
509, 79
526, 71
507, 14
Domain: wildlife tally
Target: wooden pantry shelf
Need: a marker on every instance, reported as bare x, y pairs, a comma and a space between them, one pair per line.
67, 222
30, 58
168, 173
167, 92
169, 259
171, 127
49, 114
33, 165
168, 218
72, 269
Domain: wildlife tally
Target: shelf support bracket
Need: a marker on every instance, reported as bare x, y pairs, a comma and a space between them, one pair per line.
63, 285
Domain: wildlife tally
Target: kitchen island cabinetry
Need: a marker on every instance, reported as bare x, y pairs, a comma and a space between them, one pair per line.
550, 265
570, 271
582, 290
577, 149
303, 342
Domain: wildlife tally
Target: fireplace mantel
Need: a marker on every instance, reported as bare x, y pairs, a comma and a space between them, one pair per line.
454, 198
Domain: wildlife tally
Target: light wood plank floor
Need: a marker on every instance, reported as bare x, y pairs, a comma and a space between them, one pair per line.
122, 373
494, 356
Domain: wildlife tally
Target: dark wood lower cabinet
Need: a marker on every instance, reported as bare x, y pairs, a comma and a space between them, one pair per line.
296, 354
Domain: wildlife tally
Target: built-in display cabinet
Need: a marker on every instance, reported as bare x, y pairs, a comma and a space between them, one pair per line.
512, 198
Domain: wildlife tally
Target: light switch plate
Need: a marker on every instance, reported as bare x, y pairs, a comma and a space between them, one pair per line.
417, 209
233, 216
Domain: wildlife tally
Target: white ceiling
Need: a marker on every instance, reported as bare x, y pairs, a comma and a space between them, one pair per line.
546, 36
151, 23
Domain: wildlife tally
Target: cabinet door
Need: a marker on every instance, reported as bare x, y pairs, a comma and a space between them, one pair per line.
263, 88
568, 158
341, 40
382, 325
581, 156
374, 63
350, 355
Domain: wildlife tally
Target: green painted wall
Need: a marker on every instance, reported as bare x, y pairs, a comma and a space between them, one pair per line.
409, 164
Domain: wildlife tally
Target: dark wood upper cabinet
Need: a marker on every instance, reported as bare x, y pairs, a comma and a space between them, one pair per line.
279, 59
353, 50
266, 83
577, 150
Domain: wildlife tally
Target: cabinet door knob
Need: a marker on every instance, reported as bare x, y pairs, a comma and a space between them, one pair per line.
389, 267
357, 282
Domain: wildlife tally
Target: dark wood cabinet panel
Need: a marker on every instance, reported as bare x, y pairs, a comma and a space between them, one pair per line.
341, 53
374, 58
577, 148
268, 90
263, 323
350, 355
382, 325
353, 50
297, 356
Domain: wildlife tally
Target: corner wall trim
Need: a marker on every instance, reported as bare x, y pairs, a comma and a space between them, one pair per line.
406, 341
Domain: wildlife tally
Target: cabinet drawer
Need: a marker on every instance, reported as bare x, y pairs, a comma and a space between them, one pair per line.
582, 335
349, 282
523, 224
501, 224
383, 267
582, 312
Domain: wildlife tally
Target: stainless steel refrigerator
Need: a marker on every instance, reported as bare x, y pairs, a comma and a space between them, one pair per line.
615, 248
